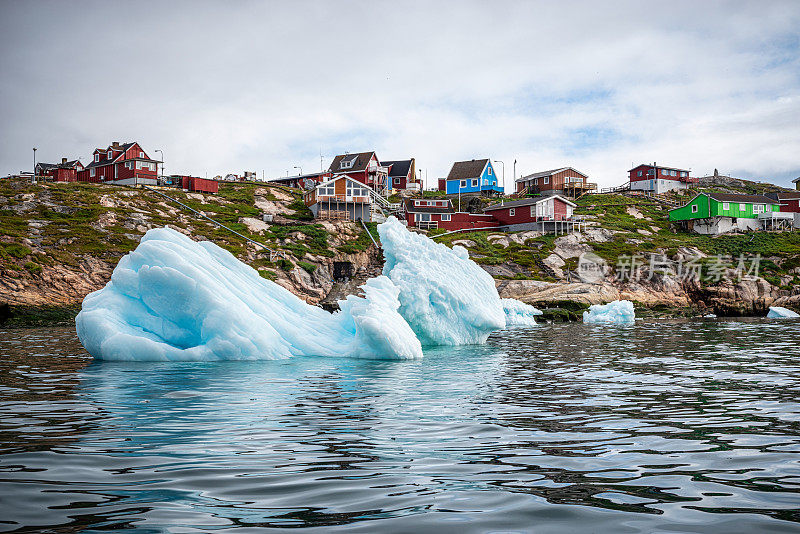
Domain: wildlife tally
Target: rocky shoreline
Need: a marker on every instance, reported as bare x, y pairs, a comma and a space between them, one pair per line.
61, 241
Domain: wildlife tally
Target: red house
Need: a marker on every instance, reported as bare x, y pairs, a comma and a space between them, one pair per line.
657, 179
363, 167
402, 174
66, 171
789, 202
532, 211
125, 164
437, 213
562, 181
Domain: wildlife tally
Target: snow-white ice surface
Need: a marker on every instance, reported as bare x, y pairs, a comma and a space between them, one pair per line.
778, 312
176, 299
445, 297
617, 311
518, 313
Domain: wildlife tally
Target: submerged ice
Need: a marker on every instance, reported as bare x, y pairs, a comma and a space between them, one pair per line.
617, 311
176, 299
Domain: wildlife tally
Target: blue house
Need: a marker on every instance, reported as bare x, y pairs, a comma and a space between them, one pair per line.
474, 176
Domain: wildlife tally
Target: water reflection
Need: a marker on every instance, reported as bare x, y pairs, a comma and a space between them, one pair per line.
658, 426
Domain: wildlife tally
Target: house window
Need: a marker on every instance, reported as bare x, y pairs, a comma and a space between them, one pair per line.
474, 182
96, 158
463, 183
490, 171
639, 174
533, 210
535, 181
91, 173
694, 208
328, 190
758, 208
445, 216
546, 179
397, 181
354, 190
141, 154
511, 212
742, 207
109, 154
726, 205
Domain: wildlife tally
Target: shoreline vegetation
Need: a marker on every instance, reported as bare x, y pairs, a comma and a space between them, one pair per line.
60, 241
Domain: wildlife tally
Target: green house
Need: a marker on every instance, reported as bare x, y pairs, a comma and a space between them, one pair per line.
718, 213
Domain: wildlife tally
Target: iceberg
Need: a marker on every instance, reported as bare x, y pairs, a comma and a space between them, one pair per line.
445, 297
176, 299
173, 298
518, 313
778, 312
617, 312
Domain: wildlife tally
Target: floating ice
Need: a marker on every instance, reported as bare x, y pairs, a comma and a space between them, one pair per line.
176, 299
518, 313
618, 311
445, 297
778, 312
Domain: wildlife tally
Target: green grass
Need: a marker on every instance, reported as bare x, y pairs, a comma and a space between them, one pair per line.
16, 250
33, 268
308, 267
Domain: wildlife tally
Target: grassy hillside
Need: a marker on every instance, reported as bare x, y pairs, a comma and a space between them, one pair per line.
65, 225
641, 226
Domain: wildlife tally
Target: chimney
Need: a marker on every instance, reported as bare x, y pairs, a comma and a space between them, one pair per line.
115, 144
63, 160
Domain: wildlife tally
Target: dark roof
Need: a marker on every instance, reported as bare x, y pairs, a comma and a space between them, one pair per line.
524, 202
551, 172
362, 159
411, 208
399, 167
467, 169
784, 195
67, 165
735, 197
658, 167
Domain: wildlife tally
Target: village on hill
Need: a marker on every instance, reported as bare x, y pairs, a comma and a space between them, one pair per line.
662, 237
361, 187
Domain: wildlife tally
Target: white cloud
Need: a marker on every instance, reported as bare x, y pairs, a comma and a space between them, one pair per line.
265, 86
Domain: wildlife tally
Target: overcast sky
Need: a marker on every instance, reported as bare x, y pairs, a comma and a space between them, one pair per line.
265, 86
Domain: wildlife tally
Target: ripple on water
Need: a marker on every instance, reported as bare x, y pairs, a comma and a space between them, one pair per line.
660, 426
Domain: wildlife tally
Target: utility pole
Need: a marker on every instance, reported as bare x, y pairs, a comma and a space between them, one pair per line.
34, 165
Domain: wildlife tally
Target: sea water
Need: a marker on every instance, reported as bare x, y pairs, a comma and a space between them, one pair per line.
656, 426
